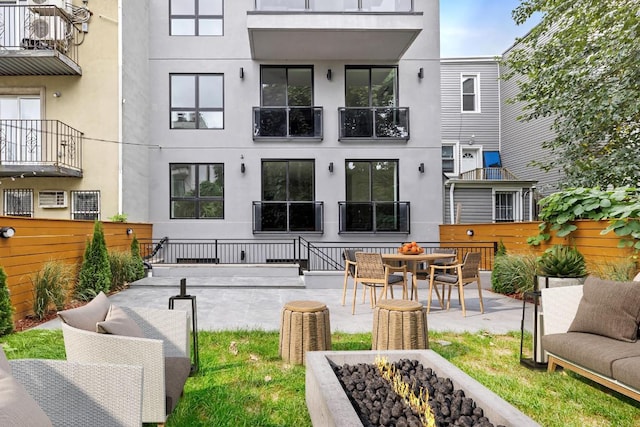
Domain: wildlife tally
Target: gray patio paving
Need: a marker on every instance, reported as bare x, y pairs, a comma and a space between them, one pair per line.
237, 302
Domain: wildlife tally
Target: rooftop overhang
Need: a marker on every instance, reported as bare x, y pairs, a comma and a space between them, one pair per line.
332, 36
46, 62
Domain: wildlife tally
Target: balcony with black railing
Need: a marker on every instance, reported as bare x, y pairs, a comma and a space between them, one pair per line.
374, 217
377, 123
37, 40
287, 123
40, 147
288, 217
337, 29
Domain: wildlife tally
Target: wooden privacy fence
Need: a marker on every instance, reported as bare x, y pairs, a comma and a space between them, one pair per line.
37, 241
595, 247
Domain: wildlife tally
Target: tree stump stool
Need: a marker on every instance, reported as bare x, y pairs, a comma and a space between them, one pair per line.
304, 326
399, 324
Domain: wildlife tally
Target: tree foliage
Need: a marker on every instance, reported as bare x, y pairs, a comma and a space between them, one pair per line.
95, 272
580, 66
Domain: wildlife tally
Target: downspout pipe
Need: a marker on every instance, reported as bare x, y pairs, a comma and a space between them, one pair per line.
452, 208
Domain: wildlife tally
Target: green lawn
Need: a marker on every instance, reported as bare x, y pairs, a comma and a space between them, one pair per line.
253, 387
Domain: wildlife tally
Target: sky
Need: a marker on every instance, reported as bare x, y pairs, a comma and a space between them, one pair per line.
478, 27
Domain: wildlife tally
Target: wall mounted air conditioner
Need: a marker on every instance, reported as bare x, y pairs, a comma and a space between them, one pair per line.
51, 199
62, 4
47, 28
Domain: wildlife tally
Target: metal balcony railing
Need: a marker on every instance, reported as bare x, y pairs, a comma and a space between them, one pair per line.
40, 30
288, 217
287, 122
334, 5
46, 147
382, 123
482, 174
374, 217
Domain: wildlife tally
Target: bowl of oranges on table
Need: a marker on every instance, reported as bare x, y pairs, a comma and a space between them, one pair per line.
411, 248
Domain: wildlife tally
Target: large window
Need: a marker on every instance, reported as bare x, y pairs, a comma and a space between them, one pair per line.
371, 104
372, 197
196, 18
470, 93
18, 202
197, 101
288, 205
286, 103
85, 205
197, 191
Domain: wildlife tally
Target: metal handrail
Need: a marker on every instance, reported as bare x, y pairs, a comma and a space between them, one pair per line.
401, 6
310, 255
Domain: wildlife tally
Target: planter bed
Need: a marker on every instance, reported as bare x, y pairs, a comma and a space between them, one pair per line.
329, 405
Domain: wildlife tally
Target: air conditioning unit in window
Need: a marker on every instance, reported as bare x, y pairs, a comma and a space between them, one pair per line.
52, 199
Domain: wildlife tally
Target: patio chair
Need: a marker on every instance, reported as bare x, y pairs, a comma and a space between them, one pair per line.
422, 273
372, 272
40, 392
461, 275
349, 256
157, 340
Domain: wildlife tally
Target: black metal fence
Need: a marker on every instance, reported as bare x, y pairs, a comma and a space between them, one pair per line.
310, 255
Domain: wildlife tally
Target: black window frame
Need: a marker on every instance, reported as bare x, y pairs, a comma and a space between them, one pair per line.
196, 109
197, 199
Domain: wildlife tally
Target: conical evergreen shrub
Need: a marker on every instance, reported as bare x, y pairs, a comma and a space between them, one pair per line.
6, 309
95, 272
137, 259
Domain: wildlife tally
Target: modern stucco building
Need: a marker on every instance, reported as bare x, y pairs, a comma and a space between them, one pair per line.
289, 117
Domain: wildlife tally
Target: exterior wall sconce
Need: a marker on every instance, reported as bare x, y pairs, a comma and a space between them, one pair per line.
470, 233
421, 73
329, 74
57, 94
331, 167
242, 168
421, 167
7, 232
129, 231
242, 72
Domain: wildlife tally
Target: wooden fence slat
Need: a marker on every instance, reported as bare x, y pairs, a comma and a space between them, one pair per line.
40, 240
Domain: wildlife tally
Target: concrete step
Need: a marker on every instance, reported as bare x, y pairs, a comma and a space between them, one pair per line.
296, 282
225, 270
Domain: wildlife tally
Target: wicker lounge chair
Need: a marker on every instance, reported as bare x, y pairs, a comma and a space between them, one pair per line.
69, 394
163, 352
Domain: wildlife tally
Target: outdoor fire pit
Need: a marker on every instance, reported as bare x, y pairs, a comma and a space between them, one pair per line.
329, 405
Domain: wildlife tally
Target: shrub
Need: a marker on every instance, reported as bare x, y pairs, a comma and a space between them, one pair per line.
6, 309
95, 272
620, 270
122, 269
562, 261
513, 273
137, 260
51, 286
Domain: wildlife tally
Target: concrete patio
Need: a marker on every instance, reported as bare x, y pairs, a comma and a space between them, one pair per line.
241, 302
